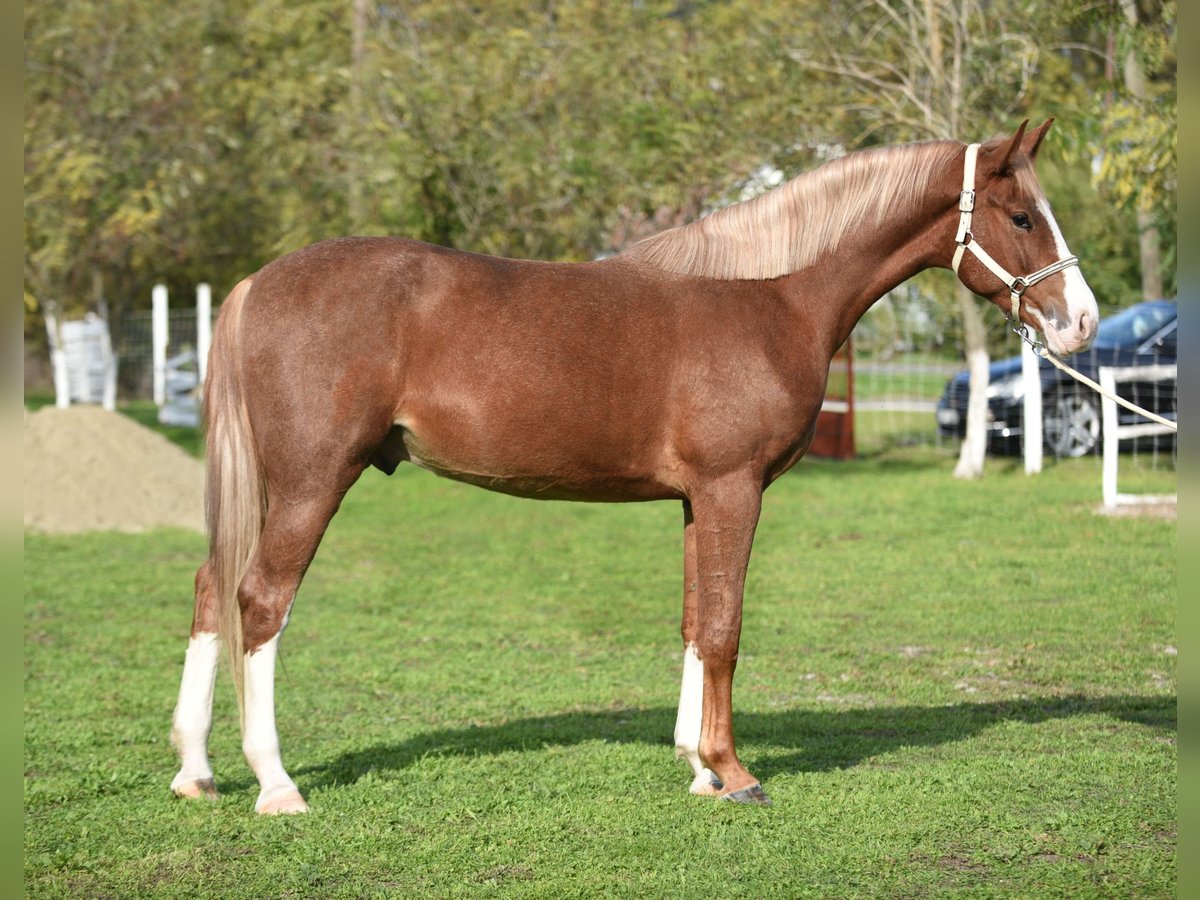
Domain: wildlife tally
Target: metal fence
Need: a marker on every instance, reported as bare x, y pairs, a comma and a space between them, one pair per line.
134, 345
898, 385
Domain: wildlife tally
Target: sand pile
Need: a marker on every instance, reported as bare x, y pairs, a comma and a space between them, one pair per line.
87, 469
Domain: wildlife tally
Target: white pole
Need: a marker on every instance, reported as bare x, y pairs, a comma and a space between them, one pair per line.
109, 398
1112, 439
1032, 410
58, 364
203, 330
160, 336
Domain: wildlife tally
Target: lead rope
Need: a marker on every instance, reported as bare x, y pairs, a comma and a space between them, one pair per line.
1041, 350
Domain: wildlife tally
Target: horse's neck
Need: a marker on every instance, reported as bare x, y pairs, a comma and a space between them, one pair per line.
838, 290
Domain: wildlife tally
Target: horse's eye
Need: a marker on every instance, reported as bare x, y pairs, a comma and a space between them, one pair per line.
1022, 221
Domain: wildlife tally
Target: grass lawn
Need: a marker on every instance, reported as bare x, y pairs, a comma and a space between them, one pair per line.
948, 689
906, 384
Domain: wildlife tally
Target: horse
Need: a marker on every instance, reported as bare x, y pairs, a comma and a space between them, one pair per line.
689, 367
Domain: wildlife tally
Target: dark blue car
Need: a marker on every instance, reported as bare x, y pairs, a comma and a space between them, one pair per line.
1142, 335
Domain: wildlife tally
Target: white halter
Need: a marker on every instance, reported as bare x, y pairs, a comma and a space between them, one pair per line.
1016, 284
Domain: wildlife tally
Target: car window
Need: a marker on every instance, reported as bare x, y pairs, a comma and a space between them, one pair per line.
1130, 326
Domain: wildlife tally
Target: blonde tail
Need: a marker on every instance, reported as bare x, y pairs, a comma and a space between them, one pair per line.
236, 498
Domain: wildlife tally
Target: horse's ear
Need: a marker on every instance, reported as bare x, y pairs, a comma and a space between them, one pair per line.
999, 150
1006, 159
1034, 140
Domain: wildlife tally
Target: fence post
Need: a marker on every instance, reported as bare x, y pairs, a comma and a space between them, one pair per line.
1112, 439
109, 397
1031, 427
58, 363
160, 334
203, 332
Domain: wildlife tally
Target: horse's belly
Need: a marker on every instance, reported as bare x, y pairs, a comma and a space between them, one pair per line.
542, 468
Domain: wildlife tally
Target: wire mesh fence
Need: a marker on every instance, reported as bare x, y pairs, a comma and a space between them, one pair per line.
134, 346
911, 388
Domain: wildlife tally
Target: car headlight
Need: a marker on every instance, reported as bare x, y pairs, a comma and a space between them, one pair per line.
1011, 387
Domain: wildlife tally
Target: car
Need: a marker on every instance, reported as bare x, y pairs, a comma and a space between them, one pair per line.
1141, 335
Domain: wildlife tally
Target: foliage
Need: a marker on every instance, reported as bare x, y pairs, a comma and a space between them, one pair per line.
1137, 144
477, 694
194, 142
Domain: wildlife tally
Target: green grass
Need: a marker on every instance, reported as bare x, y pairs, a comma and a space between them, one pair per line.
877, 431
899, 385
949, 689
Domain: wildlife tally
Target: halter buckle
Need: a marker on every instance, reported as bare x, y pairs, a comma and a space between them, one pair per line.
1028, 335
966, 201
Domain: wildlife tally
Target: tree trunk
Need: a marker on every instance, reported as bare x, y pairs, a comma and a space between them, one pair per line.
974, 445
1150, 255
356, 193
1149, 244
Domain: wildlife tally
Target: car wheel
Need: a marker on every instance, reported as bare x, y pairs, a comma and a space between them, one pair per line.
1071, 424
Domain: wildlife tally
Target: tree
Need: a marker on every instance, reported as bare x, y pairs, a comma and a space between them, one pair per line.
195, 142
1137, 147
523, 130
136, 162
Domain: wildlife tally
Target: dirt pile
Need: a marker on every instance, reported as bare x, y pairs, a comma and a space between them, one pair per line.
91, 470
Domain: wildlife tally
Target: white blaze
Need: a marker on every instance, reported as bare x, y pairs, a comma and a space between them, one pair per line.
1078, 296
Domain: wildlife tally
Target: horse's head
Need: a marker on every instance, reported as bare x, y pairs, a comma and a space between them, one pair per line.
1010, 249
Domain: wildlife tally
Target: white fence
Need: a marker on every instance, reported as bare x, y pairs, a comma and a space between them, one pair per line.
163, 352
1114, 432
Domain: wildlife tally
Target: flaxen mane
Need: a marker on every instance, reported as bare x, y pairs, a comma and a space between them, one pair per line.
791, 226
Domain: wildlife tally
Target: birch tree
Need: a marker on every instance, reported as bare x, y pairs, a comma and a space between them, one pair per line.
934, 70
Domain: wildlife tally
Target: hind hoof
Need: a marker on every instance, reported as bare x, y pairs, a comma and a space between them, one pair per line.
195, 789
752, 794
284, 802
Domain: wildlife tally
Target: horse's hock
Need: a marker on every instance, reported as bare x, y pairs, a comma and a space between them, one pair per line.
87, 469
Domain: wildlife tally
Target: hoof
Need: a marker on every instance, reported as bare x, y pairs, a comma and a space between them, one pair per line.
752, 794
282, 802
706, 784
195, 788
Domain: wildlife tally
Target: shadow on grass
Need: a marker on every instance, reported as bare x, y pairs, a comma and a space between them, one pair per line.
873, 462
785, 742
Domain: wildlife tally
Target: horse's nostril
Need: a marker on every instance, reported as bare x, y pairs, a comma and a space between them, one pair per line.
1085, 323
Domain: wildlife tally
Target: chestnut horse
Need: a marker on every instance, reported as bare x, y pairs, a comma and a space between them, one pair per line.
689, 367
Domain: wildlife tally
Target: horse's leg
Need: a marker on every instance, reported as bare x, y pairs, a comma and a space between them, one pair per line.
193, 713
292, 530
691, 692
726, 515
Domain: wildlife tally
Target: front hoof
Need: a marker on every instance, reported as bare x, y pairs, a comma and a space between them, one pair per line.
752, 794
286, 801
195, 788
